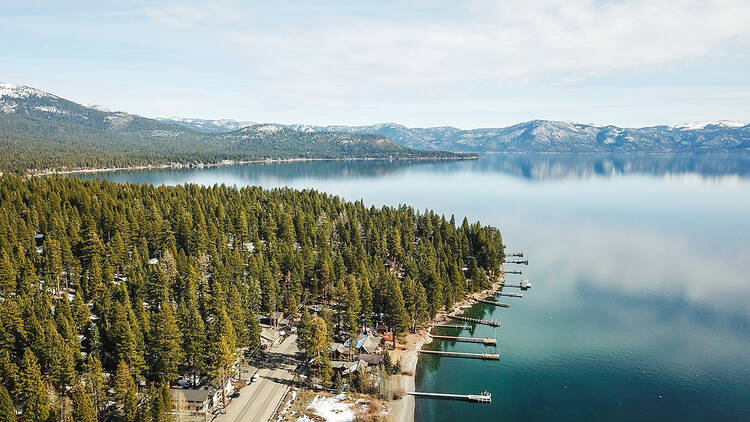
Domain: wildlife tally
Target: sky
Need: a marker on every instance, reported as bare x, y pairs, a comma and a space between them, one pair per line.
420, 63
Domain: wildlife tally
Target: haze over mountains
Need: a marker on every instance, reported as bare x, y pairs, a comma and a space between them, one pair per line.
550, 136
39, 130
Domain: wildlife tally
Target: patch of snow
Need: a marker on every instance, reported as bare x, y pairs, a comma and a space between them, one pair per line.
702, 125
51, 109
331, 408
98, 107
268, 128
288, 405
9, 108
20, 91
164, 133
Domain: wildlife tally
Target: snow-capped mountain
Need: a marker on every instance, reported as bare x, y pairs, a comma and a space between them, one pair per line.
559, 136
39, 130
554, 136
207, 125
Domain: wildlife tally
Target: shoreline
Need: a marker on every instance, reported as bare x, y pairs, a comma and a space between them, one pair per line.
178, 165
403, 409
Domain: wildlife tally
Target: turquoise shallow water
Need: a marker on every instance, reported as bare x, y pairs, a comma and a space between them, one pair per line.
640, 308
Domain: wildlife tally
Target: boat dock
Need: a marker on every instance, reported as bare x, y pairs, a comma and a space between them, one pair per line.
499, 293
490, 302
515, 255
484, 356
460, 327
524, 285
491, 323
511, 271
518, 261
479, 398
483, 340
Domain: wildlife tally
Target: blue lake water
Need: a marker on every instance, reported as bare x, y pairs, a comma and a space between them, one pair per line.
640, 308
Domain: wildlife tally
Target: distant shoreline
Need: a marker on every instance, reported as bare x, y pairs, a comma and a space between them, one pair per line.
177, 165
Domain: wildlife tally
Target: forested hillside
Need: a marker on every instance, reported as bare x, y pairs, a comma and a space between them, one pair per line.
41, 131
150, 283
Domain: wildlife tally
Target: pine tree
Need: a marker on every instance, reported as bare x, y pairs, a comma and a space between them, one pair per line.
83, 409
32, 395
7, 409
96, 384
165, 344
126, 394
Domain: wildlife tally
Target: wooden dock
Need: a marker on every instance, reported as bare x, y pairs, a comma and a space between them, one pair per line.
479, 398
484, 356
512, 272
507, 294
491, 323
518, 261
524, 285
515, 255
490, 302
487, 341
460, 327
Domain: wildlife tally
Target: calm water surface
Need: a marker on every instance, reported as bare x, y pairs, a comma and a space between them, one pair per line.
640, 308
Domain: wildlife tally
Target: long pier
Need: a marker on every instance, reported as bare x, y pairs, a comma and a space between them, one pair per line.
487, 341
479, 398
490, 302
484, 356
518, 261
511, 271
524, 284
491, 323
508, 294
460, 327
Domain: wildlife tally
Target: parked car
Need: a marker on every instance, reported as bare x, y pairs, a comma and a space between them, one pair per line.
255, 378
235, 394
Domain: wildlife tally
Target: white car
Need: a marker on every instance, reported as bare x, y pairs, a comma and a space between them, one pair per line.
255, 378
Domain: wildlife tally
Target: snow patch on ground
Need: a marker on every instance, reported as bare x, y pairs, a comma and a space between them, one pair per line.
51, 109
268, 128
331, 408
292, 398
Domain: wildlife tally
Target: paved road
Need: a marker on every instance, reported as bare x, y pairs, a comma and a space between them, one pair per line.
258, 400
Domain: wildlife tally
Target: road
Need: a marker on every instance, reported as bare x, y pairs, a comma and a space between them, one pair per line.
258, 400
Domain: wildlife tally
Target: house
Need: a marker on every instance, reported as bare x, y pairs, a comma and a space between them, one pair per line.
269, 338
366, 343
338, 350
372, 360
190, 401
347, 368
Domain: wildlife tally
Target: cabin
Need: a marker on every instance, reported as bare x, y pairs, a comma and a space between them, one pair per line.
366, 343
346, 368
371, 359
269, 338
190, 401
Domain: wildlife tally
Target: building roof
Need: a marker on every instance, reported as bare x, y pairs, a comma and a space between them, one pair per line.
348, 367
369, 343
371, 359
190, 394
269, 335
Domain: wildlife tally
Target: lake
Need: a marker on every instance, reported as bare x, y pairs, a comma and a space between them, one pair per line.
640, 264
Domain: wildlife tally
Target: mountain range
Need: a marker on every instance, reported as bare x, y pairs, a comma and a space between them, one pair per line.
41, 131
552, 136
